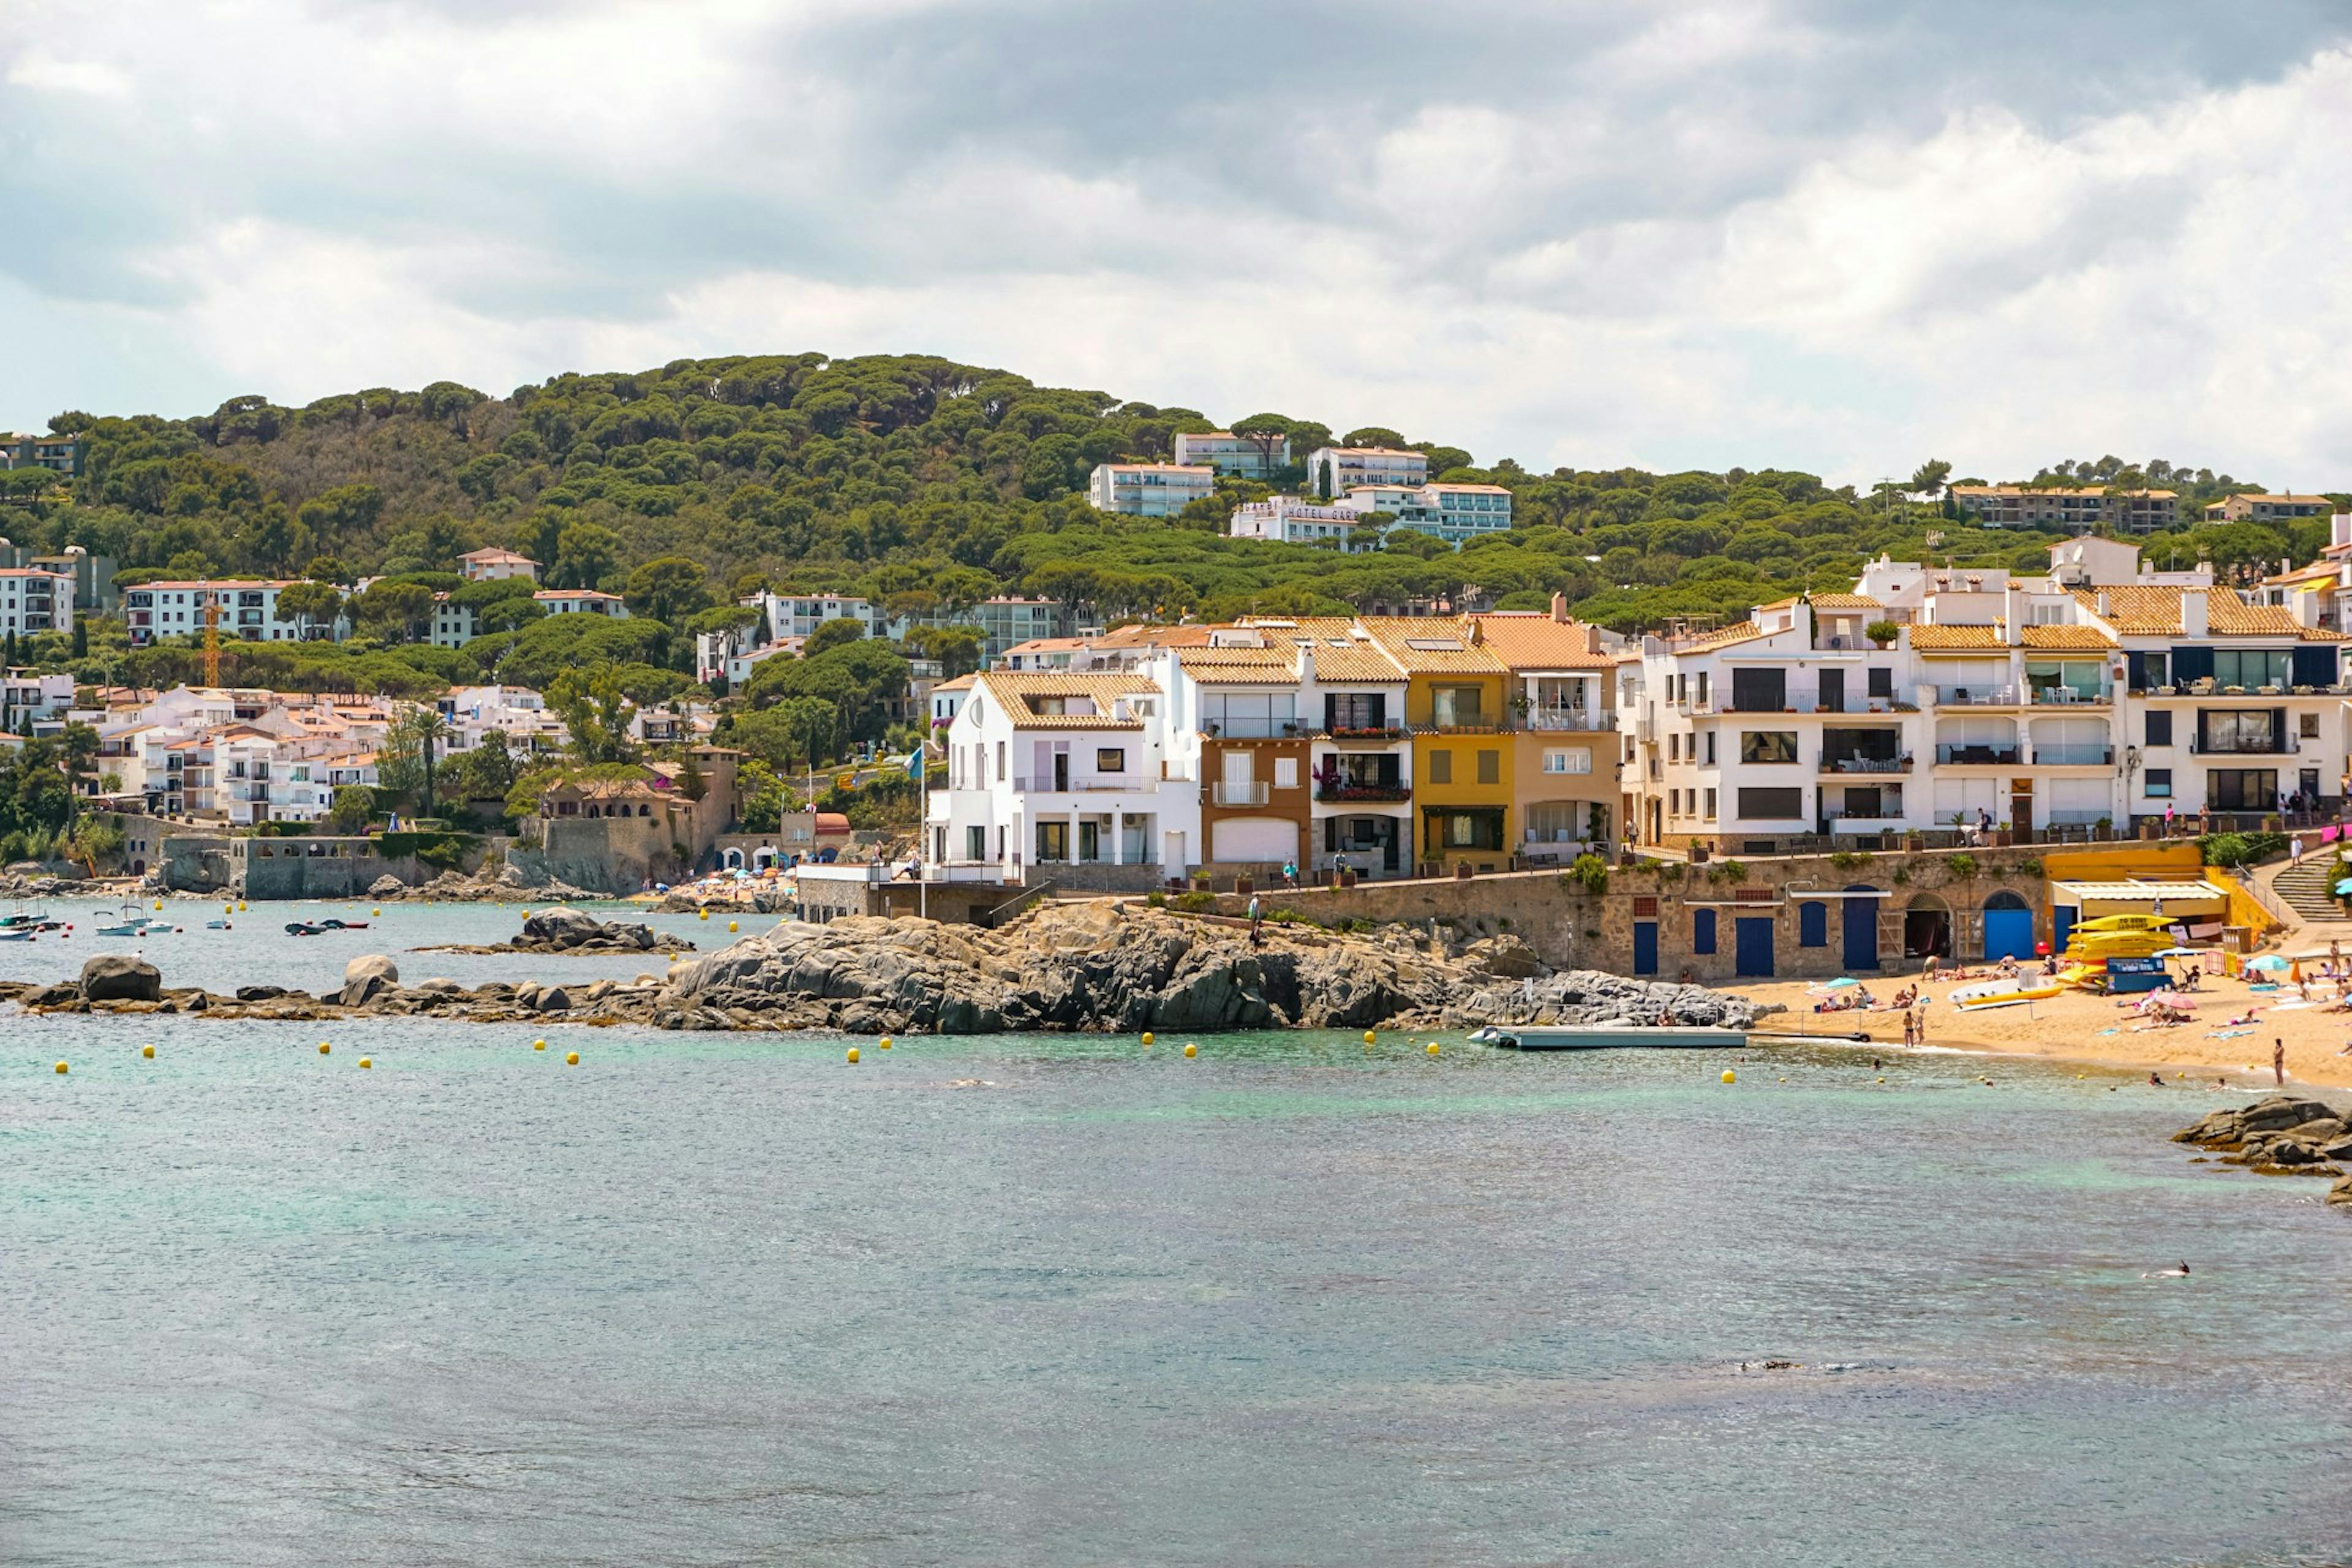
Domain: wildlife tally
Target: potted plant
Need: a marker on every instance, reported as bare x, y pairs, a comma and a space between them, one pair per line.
2004, 836
2106, 831
1882, 632
1243, 886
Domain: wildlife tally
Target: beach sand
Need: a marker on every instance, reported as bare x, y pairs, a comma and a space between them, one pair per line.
2073, 1026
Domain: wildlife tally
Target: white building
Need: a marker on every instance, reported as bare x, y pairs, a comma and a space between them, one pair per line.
1345, 467
34, 601
1148, 490
41, 701
1288, 520
246, 611
1229, 454
580, 602
1060, 776
493, 565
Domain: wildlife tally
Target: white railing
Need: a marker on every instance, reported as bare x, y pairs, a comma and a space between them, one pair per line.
1976, 695
1240, 793
1569, 719
1077, 783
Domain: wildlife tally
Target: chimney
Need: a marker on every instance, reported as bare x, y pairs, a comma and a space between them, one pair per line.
1559, 609
2103, 603
1306, 664
2192, 612
1592, 638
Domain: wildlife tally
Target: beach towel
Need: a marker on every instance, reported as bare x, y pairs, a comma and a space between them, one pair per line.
2229, 1034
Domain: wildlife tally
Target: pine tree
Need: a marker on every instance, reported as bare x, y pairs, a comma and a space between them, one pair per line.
80, 638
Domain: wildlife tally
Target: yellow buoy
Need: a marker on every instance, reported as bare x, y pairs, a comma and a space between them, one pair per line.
148, 1051
1368, 1036
731, 925
323, 1047
365, 1062
852, 1053
1147, 1037
158, 903
377, 913
702, 914
884, 1041
538, 1044
1882, 1081
571, 1059
1192, 1051
1432, 1047
61, 1066
228, 908
240, 906
1730, 1076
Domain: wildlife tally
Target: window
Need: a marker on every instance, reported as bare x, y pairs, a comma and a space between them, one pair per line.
2160, 727
1674, 747
1768, 746
1576, 760
1000, 761
1882, 681
1710, 805
2242, 730
1110, 760
1285, 773
975, 843
2156, 784
1771, 805
2249, 668
2242, 789
2307, 726
1710, 748
1490, 767
1440, 767
1355, 710
1452, 706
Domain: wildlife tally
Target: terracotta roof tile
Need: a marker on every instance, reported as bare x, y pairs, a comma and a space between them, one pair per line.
1533, 641
1935, 639
2089, 638
1446, 647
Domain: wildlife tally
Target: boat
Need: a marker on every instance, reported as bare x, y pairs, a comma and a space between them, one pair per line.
218, 925
1986, 994
319, 928
1602, 1037
15, 933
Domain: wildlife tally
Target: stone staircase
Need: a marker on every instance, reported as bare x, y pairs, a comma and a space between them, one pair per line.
2304, 889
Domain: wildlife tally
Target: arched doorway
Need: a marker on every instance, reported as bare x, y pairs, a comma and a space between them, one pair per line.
734, 859
1927, 928
1860, 916
2007, 926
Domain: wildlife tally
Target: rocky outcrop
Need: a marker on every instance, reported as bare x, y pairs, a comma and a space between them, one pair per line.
563, 930
2282, 1135
118, 978
367, 976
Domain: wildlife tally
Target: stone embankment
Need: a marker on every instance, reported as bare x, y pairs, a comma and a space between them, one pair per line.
1087, 967
2281, 1136
561, 931
455, 888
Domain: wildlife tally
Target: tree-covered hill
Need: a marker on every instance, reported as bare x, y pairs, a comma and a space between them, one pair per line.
925, 484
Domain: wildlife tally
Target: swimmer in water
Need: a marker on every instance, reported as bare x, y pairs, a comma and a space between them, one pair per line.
2179, 1273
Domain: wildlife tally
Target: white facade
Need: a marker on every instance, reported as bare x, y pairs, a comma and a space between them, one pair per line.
1349, 466
1288, 520
32, 601
1230, 454
1148, 490
246, 611
580, 602
1047, 771
493, 565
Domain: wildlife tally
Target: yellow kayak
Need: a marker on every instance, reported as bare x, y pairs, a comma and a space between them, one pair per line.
2003, 993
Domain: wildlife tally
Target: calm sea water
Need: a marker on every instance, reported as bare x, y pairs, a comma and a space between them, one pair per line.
723, 1299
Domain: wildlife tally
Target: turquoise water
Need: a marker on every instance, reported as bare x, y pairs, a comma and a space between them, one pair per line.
727, 1298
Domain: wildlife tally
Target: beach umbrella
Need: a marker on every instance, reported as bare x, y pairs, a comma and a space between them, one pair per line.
1840, 983
2344, 887
2269, 961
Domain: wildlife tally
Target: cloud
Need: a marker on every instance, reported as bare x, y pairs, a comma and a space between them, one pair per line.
1818, 233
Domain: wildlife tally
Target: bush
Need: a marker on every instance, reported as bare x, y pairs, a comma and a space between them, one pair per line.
1962, 867
1848, 860
2031, 867
1156, 901
1591, 872
1192, 903
2240, 849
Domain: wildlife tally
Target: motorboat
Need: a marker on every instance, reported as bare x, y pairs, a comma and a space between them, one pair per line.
320, 928
1603, 1037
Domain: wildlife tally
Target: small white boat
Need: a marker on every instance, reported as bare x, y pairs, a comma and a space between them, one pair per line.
1603, 1038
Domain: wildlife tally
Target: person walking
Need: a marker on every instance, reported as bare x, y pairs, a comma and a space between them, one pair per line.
2278, 1061
2294, 851
2168, 819
1257, 922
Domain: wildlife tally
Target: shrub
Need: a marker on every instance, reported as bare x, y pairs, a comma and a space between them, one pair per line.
1157, 901
2030, 866
1848, 860
1590, 873
2240, 849
1195, 901
1962, 867
1900, 876
1882, 632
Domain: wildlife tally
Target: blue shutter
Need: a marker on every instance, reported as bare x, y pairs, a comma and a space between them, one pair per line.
1702, 931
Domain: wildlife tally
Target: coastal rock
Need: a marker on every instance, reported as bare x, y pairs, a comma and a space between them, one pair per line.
62, 993
259, 992
118, 977
386, 886
365, 977
553, 999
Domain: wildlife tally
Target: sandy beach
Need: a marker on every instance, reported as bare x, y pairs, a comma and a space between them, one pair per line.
2078, 1027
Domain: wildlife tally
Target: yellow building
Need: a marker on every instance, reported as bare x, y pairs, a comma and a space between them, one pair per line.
1563, 706
1457, 704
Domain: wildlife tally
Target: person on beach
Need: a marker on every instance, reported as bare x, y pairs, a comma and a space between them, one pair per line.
2168, 819
2278, 1060
1257, 922
2154, 1081
1923, 1024
2294, 851
1910, 1032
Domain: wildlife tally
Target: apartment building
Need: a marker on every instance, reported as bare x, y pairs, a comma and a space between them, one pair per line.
1562, 685
495, 565
93, 575
1464, 756
35, 704
1148, 490
580, 602
1288, 520
61, 455
32, 601
2268, 507
1064, 776
1241, 457
248, 612
2087, 508
1336, 470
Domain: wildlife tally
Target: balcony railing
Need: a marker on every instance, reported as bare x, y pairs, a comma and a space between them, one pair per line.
1240, 793
1361, 792
2074, 756
2071, 696
1250, 729
1077, 783
1866, 764
1359, 734
2284, 747
1569, 718
1978, 755
1976, 695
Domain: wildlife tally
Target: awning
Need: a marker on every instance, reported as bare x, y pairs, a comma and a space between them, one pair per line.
2134, 892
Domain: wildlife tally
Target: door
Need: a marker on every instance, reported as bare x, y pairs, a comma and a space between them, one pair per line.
1833, 691
1052, 841
1861, 917
2020, 804
1089, 840
1752, 949
1645, 947
1812, 924
2008, 933
2062, 920
1061, 770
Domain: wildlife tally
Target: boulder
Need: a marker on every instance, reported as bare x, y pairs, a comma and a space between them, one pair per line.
367, 977
553, 999
386, 886
259, 992
118, 977
59, 994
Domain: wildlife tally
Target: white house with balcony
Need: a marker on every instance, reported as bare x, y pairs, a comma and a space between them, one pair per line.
493, 565
1064, 778
1345, 467
580, 602
1242, 456
34, 601
1288, 520
1148, 490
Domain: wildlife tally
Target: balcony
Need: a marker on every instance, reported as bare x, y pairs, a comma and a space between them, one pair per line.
1569, 719
1226, 794
2071, 696
1978, 755
2274, 747
1251, 729
1078, 783
1866, 764
2073, 756
1366, 735
1975, 696
1342, 793
1889, 821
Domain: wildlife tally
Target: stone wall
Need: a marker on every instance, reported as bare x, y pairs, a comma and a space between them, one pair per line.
318, 867
1568, 927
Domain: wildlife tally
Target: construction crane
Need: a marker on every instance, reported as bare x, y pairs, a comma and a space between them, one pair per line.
212, 636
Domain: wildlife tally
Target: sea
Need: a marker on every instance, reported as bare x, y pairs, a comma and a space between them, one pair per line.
1298, 1299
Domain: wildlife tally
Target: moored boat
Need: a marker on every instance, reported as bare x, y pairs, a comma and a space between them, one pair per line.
1603, 1037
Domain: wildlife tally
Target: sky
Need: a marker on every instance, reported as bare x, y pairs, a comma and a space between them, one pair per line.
1844, 235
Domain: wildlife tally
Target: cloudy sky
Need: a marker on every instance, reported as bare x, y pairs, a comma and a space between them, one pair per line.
1841, 235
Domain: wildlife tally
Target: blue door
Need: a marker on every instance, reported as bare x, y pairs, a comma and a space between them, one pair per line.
1752, 951
2062, 920
1813, 925
1645, 947
2008, 933
1861, 933
1703, 931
